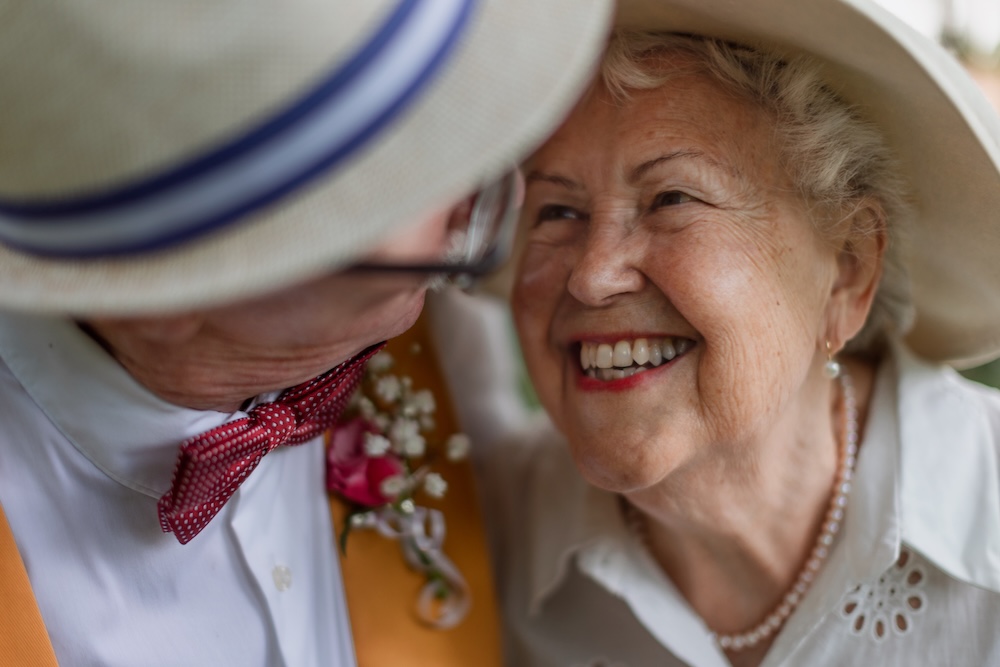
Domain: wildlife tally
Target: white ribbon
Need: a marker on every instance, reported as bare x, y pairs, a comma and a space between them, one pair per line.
421, 534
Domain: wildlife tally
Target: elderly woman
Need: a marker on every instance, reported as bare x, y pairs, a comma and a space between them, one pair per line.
716, 306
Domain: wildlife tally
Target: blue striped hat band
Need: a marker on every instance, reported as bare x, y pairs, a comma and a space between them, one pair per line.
306, 139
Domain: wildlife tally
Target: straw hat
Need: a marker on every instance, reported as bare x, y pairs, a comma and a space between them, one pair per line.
159, 155
938, 123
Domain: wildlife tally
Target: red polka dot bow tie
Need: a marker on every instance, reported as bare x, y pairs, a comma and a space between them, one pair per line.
211, 466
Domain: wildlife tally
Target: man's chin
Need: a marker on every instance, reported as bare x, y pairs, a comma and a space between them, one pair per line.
387, 321
409, 312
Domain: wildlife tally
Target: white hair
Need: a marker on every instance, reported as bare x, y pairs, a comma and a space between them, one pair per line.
838, 162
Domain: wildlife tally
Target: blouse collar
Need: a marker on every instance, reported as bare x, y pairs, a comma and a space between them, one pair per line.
949, 487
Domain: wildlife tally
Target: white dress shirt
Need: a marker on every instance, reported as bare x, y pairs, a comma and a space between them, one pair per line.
85, 453
579, 589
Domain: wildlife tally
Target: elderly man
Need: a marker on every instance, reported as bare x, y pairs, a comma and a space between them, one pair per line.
210, 217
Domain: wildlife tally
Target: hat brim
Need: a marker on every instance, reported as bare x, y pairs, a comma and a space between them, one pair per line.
515, 75
938, 123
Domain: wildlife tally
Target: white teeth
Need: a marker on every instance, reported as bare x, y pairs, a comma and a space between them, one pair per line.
622, 357
604, 356
655, 353
617, 374
640, 351
632, 356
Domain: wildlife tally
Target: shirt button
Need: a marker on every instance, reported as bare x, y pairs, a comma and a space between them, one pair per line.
282, 576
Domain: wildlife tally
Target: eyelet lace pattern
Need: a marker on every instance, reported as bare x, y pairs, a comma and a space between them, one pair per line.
887, 606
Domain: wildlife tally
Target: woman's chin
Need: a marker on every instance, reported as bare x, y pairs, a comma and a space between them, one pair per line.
613, 472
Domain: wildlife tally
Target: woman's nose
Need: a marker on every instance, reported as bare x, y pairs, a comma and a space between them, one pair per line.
606, 267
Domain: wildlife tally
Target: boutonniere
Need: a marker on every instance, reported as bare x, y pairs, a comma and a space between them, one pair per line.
381, 463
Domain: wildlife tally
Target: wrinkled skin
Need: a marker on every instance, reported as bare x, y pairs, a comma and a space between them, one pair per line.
670, 215
217, 358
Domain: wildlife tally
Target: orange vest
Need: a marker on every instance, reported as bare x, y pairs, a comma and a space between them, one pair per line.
381, 590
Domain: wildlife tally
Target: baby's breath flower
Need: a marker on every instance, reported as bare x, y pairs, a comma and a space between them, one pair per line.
381, 362
366, 408
376, 445
415, 446
400, 416
382, 421
402, 430
423, 401
393, 486
388, 388
457, 447
434, 485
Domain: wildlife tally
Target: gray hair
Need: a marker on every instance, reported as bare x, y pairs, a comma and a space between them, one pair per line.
838, 162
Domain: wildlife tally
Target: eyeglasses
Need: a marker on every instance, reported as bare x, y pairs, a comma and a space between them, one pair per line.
481, 244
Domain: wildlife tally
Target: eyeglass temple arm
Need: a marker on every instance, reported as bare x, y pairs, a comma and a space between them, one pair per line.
488, 263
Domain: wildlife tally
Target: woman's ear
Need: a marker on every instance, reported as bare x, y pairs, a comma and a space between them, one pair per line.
859, 269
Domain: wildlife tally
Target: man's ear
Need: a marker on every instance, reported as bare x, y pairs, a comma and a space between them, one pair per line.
859, 269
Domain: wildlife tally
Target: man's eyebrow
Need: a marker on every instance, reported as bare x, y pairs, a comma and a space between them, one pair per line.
638, 172
541, 176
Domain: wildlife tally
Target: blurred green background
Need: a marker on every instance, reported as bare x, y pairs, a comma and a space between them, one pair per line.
988, 374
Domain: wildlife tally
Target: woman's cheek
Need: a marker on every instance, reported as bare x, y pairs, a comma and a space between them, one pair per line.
533, 303
535, 265
535, 282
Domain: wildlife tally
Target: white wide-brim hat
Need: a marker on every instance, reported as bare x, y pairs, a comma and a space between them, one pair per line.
158, 156
940, 126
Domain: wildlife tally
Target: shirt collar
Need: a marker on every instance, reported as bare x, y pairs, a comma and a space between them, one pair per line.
121, 427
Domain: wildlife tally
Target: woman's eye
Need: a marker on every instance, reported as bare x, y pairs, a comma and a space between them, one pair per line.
557, 212
671, 198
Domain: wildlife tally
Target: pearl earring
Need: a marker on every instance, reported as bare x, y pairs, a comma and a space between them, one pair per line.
831, 368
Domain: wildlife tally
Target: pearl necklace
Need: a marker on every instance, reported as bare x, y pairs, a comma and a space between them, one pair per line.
831, 525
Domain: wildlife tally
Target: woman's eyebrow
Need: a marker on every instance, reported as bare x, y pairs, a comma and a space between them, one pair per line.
638, 172
541, 176
634, 175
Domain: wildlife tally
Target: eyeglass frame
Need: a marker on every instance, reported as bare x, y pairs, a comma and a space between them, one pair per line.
466, 273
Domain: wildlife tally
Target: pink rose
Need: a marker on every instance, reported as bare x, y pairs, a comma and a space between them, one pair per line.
353, 474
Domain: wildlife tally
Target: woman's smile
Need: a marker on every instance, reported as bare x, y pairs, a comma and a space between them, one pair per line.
667, 303
618, 362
